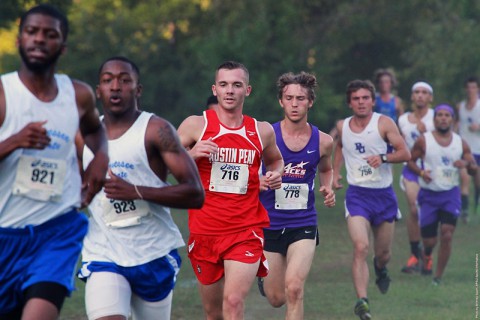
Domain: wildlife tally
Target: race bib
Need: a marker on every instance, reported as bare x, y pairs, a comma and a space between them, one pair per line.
446, 176
229, 178
123, 213
291, 196
40, 178
364, 173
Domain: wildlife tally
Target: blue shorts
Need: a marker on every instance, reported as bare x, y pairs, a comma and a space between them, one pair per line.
477, 158
375, 205
408, 174
151, 281
432, 202
45, 253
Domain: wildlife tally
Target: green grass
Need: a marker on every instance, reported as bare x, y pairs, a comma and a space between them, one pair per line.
329, 292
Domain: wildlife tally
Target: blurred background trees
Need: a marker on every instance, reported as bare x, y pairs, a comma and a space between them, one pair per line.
179, 43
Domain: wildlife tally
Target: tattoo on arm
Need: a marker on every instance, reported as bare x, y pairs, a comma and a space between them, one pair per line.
169, 141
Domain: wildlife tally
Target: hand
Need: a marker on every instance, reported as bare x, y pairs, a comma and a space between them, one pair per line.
94, 178
460, 164
427, 176
421, 127
263, 183
336, 182
328, 196
474, 127
119, 189
273, 180
374, 161
203, 148
33, 136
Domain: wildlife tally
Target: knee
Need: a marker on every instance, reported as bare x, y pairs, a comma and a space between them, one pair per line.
446, 235
233, 301
276, 299
413, 211
294, 290
383, 257
360, 249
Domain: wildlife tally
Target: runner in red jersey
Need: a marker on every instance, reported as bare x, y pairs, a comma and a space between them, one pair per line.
226, 237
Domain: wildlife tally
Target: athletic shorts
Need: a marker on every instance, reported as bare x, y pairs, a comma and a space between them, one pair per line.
375, 205
208, 253
151, 281
279, 240
45, 253
408, 174
431, 202
477, 158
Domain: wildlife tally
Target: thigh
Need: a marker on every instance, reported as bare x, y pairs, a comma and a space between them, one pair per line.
239, 277
299, 259
359, 229
107, 294
277, 266
411, 191
158, 310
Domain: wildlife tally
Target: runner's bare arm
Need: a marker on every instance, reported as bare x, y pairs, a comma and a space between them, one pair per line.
95, 138
325, 169
338, 157
272, 158
167, 151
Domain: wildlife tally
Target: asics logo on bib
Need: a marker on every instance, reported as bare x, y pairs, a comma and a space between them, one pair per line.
234, 155
44, 164
359, 147
292, 187
230, 167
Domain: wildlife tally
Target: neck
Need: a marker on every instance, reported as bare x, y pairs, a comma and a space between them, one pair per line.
385, 94
295, 128
471, 100
41, 85
362, 121
420, 111
230, 118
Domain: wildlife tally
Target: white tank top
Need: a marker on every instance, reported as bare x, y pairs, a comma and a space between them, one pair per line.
129, 233
440, 161
409, 130
357, 146
38, 185
466, 118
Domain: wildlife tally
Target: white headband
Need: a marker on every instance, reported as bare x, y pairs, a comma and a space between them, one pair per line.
423, 85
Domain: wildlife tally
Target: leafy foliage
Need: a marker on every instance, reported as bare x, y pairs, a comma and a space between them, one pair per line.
178, 44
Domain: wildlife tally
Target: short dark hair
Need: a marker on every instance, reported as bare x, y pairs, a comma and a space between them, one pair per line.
356, 85
305, 80
471, 79
124, 59
211, 100
232, 65
48, 10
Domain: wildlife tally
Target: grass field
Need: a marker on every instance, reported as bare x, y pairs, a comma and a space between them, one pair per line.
329, 289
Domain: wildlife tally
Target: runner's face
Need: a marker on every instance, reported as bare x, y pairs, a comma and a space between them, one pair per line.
443, 121
421, 97
385, 84
231, 87
295, 102
118, 89
472, 89
361, 103
40, 42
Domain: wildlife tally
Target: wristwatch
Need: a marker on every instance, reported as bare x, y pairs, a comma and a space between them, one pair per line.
383, 156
